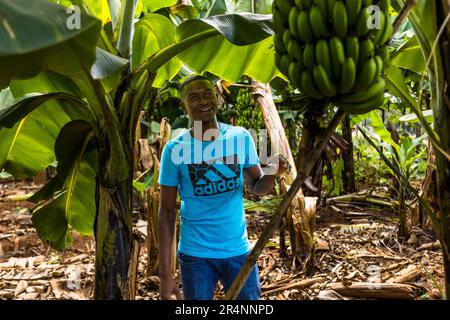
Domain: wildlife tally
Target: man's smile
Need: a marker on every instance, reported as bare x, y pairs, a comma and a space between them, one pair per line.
206, 109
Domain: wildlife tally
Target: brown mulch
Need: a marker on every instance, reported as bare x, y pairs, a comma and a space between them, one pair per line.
347, 251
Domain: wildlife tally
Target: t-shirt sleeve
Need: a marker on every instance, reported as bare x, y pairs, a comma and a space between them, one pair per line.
251, 156
168, 171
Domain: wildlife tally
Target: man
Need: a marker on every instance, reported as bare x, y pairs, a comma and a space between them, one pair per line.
206, 166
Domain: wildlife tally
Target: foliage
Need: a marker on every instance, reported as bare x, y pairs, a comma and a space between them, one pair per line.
90, 65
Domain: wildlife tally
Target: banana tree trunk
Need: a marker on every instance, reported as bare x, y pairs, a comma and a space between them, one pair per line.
349, 164
113, 229
299, 224
441, 112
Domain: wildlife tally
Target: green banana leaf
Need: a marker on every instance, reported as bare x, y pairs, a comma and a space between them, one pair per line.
27, 147
153, 5
383, 134
35, 36
152, 33
411, 117
106, 64
222, 45
261, 6
245, 53
74, 205
409, 56
19, 109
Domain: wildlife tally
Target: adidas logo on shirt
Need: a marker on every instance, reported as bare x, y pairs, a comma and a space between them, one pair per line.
214, 178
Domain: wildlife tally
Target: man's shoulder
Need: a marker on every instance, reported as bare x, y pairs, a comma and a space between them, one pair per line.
235, 130
178, 139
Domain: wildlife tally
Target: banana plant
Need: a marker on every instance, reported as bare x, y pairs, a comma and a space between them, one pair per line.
429, 20
73, 93
404, 156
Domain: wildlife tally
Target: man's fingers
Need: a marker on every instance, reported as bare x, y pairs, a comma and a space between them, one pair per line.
178, 293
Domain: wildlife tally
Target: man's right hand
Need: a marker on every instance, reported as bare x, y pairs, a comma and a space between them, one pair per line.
167, 287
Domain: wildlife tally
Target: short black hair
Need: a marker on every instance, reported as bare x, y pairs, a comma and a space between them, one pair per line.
192, 79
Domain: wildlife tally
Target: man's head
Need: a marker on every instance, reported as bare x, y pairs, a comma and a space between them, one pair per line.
198, 98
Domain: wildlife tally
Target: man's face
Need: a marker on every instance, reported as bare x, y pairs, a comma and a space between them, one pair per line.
200, 101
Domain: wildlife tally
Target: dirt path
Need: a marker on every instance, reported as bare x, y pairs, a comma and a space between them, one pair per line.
348, 254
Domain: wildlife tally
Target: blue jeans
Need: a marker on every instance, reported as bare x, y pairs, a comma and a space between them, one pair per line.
199, 277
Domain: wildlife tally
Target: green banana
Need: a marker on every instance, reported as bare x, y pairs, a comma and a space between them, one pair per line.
337, 55
352, 48
348, 76
278, 22
387, 34
293, 16
380, 66
323, 82
282, 62
384, 5
299, 4
323, 57
361, 29
304, 28
294, 73
367, 3
365, 76
360, 97
366, 51
317, 22
284, 6
309, 61
278, 43
378, 33
353, 9
278, 57
308, 86
287, 37
306, 4
322, 5
340, 20
385, 55
295, 52
364, 107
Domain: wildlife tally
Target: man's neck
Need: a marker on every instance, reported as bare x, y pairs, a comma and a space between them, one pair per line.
211, 126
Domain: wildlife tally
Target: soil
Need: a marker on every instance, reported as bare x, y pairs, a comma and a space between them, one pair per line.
348, 251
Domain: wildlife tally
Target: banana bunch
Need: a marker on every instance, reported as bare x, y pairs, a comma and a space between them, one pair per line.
249, 115
334, 49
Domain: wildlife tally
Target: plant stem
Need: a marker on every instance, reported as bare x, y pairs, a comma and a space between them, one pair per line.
126, 29
403, 14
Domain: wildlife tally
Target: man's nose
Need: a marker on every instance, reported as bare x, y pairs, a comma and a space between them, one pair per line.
204, 99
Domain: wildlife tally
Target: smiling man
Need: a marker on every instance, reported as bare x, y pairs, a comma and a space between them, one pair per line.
207, 165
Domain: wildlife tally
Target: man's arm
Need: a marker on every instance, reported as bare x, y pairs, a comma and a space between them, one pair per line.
166, 224
261, 183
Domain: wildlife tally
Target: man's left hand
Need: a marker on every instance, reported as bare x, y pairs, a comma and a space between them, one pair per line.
282, 163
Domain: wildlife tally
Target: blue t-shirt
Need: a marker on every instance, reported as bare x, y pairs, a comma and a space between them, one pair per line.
210, 179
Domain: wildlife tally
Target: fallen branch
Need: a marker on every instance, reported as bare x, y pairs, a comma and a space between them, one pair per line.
407, 276
430, 246
377, 290
360, 198
296, 285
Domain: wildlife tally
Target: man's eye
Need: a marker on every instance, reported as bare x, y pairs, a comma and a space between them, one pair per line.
193, 98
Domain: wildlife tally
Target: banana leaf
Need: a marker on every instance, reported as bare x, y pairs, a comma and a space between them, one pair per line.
44, 41
74, 204
27, 147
